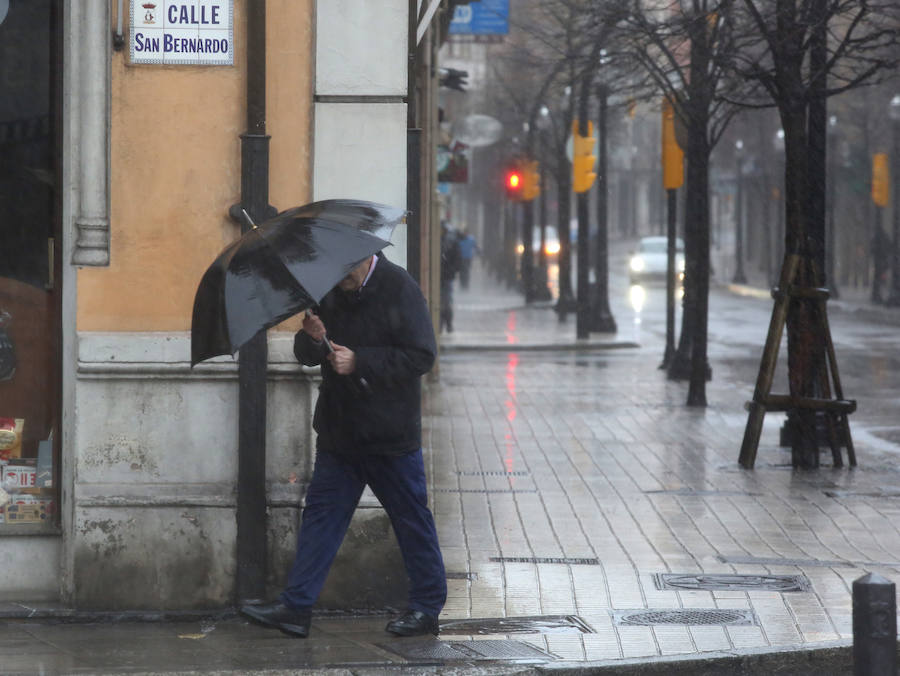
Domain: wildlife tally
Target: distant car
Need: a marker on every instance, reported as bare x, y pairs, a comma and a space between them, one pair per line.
650, 261
551, 242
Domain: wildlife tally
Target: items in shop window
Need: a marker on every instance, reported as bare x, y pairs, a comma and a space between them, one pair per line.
19, 474
44, 476
7, 349
27, 509
11, 437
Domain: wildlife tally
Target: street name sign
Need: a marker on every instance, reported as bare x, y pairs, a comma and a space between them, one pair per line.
189, 32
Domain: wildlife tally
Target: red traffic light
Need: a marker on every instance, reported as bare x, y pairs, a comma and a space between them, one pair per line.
513, 180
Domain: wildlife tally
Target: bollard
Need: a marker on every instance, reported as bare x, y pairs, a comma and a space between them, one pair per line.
874, 626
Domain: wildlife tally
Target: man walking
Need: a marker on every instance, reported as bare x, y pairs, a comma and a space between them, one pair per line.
450, 264
468, 247
379, 343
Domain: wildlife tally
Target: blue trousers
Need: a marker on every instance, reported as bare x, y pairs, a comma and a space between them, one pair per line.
337, 484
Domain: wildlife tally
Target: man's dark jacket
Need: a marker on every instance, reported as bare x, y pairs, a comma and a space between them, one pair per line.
376, 409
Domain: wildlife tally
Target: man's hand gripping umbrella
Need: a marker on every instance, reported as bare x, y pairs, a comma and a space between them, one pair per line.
341, 358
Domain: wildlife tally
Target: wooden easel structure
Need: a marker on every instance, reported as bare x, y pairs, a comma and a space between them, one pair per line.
835, 409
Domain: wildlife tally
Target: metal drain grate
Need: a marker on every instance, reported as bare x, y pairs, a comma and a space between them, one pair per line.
491, 473
484, 490
450, 651
729, 582
540, 624
461, 576
538, 559
684, 616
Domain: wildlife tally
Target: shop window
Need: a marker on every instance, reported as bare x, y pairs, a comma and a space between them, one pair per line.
29, 242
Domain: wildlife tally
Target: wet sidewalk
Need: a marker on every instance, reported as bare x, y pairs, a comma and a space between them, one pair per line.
590, 523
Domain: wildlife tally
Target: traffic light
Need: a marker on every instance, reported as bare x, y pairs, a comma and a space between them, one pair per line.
530, 180
880, 178
513, 184
672, 155
583, 159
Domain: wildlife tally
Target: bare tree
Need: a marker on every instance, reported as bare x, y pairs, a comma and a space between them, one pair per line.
801, 52
686, 47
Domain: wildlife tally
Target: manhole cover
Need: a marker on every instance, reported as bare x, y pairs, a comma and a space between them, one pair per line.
540, 624
692, 616
449, 651
729, 582
539, 559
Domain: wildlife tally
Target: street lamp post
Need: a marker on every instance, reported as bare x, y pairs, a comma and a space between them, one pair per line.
739, 277
541, 288
526, 269
831, 197
566, 302
894, 111
778, 144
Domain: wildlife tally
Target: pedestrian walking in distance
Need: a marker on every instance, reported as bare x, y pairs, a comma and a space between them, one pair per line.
368, 422
450, 265
468, 247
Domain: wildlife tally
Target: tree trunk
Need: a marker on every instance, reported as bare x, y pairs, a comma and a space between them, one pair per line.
805, 348
697, 230
602, 319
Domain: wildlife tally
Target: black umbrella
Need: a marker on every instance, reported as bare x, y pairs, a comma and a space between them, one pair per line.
283, 267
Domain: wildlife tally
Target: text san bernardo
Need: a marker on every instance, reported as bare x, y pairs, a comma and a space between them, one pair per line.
193, 32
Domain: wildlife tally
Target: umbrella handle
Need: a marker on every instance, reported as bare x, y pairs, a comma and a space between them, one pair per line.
359, 380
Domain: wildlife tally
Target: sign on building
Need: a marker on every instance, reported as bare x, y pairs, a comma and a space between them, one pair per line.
191, 32
487, 17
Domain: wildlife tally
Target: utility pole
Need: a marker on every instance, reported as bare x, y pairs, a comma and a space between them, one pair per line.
673, 178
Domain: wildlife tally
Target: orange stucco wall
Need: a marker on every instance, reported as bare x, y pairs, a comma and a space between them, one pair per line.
176, 169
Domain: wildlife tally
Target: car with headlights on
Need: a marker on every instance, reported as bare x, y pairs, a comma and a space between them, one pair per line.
551, 243
649, 262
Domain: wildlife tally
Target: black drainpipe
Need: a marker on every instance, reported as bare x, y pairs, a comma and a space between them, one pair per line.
414, 218
250, 583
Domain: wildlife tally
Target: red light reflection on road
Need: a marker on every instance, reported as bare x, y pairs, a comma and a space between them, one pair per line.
511, 328
511, 408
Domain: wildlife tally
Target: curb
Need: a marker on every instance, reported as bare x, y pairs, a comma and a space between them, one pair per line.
19, 611
876, 313
747, 290
834, 657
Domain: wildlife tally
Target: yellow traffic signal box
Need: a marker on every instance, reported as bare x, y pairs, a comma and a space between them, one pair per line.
583, 159
880, 179
531, 180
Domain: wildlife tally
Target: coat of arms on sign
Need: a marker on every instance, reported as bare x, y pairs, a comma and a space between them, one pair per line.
150, 16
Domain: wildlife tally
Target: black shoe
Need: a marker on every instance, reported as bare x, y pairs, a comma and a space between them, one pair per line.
278, 615
413, 623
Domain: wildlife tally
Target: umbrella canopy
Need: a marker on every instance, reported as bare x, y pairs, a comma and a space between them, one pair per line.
283, 267
376, 219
